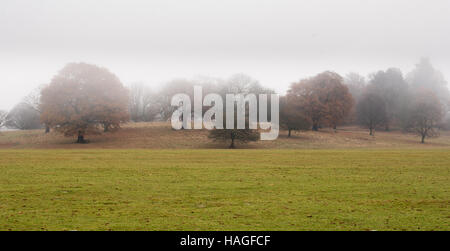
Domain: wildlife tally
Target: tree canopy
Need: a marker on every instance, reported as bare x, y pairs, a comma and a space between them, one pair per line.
393, 89
324, 98
371, 111
81, 98
424, 115
292, 117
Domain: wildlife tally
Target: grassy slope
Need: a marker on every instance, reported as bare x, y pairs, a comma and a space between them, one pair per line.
225, 190
160, 136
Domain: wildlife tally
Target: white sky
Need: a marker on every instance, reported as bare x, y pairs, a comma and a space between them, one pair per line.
275, 41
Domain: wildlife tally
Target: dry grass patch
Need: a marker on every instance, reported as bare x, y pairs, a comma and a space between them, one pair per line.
161, 136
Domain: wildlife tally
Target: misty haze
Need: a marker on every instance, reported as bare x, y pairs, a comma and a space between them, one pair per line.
236, 115
275, 42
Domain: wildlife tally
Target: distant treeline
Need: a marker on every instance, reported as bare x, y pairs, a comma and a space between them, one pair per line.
418, 102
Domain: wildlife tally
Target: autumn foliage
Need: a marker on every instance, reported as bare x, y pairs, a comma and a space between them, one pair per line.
83, 99
324, 99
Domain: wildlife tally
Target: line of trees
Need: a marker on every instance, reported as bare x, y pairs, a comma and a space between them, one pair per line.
83, 99
418, 103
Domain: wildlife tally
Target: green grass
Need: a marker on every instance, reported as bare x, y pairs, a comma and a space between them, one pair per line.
224, 190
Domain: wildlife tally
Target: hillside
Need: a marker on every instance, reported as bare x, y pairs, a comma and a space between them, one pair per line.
161, 136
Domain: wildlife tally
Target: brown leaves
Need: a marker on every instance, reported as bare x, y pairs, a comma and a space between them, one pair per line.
323, 99
83, 97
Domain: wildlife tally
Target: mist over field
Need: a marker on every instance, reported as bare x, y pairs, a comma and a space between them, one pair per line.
236, 115
275, 42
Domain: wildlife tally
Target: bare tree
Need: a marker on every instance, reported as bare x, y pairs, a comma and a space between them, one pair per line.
164, 97
242, 84
3, 118
23, 117
356, 84
371, 111
424, 115
33, 100
135, 106
142, 103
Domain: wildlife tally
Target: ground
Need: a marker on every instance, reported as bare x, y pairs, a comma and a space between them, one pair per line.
390, 182
161, 136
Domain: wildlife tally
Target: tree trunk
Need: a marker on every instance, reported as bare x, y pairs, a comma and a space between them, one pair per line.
371, 131
232, 144
315, 127
47, 129
232, 141
289, 135
106, 128
423, 139
80, 138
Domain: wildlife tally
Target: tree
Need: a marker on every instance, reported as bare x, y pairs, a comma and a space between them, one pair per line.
164, 97
356, 84
340, 103
292, 117
324, 98
424, 115
243, 84
426, 77
3, 118
236, 84
392, 87
83, 97
23, 117
243, 136
33, 101
446, 122
142, 105
233, 135
371, 111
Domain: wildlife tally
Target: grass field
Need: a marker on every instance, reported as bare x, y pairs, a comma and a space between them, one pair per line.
371, 189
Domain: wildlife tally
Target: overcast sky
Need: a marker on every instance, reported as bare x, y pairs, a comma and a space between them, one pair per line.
275, 41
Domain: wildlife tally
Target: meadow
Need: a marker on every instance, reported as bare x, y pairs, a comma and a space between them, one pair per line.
247, 189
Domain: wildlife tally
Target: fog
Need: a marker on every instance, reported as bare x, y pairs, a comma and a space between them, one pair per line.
275, 41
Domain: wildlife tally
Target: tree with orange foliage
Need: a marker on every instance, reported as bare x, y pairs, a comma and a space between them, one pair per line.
340, 103
324, 99
83, 98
